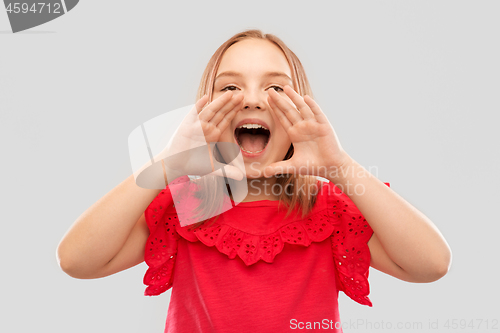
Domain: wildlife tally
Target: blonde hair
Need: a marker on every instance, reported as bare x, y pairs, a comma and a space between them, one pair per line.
303, 200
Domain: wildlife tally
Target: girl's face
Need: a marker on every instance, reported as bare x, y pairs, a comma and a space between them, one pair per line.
251, 67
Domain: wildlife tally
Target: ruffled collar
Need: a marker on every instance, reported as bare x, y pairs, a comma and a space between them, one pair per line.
262, 236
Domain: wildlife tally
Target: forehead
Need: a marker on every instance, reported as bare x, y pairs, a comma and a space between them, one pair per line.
254, 56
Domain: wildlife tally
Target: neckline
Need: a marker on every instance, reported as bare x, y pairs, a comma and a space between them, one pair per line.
256, 203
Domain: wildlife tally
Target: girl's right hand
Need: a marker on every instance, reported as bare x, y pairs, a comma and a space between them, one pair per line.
187, 152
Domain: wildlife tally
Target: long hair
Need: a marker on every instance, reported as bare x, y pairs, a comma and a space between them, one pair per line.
302, 195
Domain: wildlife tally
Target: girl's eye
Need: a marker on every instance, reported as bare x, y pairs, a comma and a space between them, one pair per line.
277, 88
227, 88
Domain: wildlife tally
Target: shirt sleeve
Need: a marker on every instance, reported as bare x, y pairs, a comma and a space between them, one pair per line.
161, 246
350, 245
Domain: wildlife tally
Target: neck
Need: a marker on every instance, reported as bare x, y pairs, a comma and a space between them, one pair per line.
261, 189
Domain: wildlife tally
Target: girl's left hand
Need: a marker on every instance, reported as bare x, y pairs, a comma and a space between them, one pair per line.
316, 147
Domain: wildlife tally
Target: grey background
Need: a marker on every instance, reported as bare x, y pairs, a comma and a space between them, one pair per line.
410, 87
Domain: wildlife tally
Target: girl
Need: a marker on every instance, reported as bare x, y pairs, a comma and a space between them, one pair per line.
258, 267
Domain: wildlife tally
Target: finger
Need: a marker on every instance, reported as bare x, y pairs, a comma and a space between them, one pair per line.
283, 167
229, 171
303, 108
201, 102
208, 112
231, 104
318, 113
279, 114
235, 103
224, 123
290, 111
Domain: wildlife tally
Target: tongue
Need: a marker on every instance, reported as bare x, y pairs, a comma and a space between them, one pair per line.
252, 142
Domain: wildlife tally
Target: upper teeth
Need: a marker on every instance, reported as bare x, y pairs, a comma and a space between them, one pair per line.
252, 126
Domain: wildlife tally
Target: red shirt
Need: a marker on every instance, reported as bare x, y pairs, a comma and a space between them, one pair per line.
255, 271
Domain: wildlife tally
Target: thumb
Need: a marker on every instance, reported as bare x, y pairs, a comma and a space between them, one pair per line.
282, 167
229, 171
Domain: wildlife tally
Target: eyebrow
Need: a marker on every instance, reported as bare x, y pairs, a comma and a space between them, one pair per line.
267, 74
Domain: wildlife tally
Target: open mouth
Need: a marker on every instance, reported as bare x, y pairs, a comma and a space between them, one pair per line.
252, 138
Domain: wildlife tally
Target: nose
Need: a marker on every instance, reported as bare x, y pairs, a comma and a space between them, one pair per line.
254, 99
